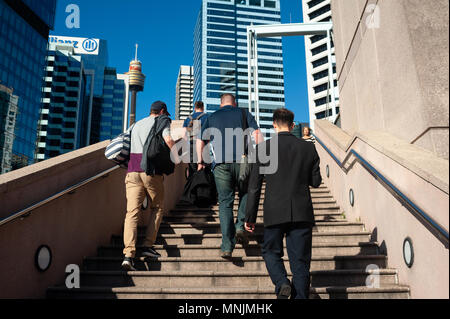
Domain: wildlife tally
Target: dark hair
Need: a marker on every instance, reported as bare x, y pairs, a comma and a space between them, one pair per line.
225, 95
199, 105
283, 117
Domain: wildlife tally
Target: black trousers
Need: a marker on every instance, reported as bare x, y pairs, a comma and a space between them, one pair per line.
299, 249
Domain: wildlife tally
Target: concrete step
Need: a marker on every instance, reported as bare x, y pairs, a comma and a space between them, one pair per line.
387, 292
315, 200
236, 264
216, 239
212, 216
368, 248
214, 227
318, 205
194, 279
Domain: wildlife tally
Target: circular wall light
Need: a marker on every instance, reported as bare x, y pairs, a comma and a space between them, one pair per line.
408, 252
43, 258
351, 197
328, 171
145, 203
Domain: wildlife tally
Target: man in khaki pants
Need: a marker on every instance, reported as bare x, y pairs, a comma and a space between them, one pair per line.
138, 184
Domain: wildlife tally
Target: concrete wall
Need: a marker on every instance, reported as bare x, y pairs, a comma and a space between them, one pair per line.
73, 226
419, 174
393, 68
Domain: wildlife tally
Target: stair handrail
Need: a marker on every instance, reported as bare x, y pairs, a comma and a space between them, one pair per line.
49, 199
442, 233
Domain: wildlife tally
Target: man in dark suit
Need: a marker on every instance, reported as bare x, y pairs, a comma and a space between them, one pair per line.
288, 209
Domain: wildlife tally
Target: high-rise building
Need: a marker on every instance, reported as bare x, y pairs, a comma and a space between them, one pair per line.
184, 96
24, 30
220, 55
319, 86
8, 116
84, 100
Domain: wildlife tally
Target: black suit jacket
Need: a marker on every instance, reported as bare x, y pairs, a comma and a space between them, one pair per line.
288, 197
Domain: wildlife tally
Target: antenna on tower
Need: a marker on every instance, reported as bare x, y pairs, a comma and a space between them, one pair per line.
135, 59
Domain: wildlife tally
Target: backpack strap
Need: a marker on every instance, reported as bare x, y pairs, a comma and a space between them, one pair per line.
200, 116
245, 127
191, 121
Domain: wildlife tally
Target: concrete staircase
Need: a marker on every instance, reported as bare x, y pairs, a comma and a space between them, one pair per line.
190, 267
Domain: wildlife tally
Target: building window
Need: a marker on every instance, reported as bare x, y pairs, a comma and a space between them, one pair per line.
255, 3
269, 4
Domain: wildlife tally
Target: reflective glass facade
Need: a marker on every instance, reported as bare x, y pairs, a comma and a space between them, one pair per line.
44, 9
220, 55
23, 43
111, 123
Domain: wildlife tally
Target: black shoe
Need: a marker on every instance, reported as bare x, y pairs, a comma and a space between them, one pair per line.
226, 254
241, 238
150, 252
285, 291
128, 264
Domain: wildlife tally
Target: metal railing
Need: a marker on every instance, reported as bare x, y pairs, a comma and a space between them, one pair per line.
28, 210
439, 231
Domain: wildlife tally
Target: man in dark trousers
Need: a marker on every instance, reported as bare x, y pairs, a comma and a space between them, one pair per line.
288, 209
227, 160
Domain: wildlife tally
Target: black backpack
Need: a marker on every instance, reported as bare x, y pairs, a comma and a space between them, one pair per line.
158, 153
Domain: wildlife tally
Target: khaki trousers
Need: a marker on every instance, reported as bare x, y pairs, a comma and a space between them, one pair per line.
137, 186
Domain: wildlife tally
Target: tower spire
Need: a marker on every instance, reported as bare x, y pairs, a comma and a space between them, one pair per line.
135, 59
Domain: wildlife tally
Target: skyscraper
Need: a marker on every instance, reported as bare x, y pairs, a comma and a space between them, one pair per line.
8, 116
319, 87
24, 30
84, 100
184, 95
220, 55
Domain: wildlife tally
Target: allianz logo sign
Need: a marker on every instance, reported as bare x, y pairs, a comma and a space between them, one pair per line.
81, 44
90, 45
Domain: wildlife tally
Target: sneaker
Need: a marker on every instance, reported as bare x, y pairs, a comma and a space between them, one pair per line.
128, 264
241, 238
285, 291
226, 254
150, 252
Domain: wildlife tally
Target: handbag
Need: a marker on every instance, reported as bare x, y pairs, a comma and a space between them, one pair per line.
119, 149
244, 167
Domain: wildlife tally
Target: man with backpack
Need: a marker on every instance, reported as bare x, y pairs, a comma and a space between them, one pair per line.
193, 125
145, 176
228, 154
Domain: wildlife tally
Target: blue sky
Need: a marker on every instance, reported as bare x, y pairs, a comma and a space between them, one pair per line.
164, 31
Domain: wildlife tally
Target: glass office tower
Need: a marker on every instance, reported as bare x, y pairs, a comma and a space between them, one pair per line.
84, 100
220, 55
24, 29
112, 113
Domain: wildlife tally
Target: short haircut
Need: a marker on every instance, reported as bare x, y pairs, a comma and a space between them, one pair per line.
228, 96
199, 105
283, 117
